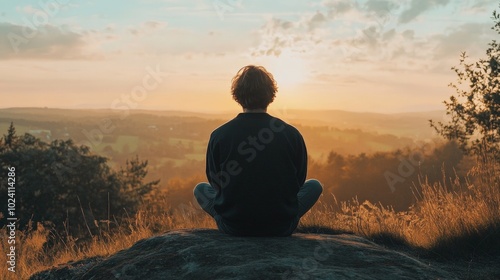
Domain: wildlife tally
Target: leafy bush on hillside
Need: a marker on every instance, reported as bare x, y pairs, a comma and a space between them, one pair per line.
66, 186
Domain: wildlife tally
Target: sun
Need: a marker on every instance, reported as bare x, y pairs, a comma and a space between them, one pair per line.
289, 70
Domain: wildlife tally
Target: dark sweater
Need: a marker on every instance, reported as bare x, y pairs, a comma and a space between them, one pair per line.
257, 163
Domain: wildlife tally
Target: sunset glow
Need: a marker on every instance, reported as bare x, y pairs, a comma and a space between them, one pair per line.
289, 70
394, 56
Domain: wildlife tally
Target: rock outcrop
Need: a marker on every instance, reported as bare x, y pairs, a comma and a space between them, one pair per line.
207, 254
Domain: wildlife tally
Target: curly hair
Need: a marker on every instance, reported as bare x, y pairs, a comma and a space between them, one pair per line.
253, 87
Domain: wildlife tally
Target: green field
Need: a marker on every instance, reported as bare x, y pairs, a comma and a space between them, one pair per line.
121, 144
20, 129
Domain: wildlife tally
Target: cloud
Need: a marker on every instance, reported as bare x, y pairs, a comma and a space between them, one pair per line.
479, 6
338, 23
381, 8
418, 7
153, 25
27, 9
147, 28
470, 37
45, 42
338, 7
317, 20
277, 34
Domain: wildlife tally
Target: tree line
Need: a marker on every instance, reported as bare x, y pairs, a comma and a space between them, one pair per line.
65, 186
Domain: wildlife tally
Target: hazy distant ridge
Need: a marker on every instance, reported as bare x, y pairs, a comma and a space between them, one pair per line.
411, 124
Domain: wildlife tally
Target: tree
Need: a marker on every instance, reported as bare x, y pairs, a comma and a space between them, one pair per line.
61, 183
475, 110
11, 137
133, 189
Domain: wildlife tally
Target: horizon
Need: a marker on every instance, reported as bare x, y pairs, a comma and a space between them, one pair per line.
229, 111
394, 56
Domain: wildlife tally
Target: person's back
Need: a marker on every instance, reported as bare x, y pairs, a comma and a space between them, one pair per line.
260, 163
256, 165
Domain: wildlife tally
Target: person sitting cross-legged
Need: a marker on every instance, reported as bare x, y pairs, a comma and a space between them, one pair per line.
256, 166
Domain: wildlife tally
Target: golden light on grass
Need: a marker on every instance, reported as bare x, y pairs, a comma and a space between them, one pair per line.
449, 220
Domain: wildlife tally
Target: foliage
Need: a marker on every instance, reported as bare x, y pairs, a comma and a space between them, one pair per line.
387, 177
132, 187
475, 110
457, 219
65, 185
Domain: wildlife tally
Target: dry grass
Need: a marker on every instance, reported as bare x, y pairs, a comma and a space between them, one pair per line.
454, 219
33, 256
459, 219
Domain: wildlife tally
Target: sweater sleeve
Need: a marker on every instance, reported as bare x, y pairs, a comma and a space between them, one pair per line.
301, 160
212, 164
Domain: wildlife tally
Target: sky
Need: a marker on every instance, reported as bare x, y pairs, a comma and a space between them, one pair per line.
382, 56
